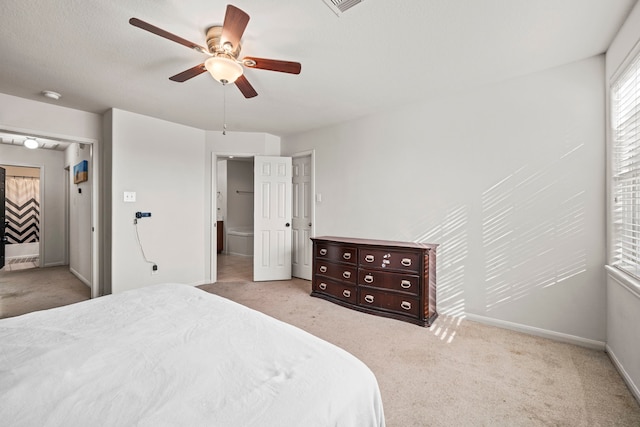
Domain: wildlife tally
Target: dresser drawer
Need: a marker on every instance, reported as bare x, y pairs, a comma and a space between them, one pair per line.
335, 289
390, 260
336, 253
342, 272
392, 302
395, 281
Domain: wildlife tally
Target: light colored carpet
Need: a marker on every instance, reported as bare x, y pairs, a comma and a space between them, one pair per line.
456, 373
24, 291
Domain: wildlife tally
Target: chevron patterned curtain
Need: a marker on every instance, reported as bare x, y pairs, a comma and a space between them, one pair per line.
23, 209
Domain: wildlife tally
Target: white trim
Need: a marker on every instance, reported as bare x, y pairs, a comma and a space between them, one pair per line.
80, 277
544, 333
53, 264
628, 282
623, 373
621, 68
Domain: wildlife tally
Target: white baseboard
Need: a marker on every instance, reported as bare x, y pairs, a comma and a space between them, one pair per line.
623, 373
545, 333
54, 264
80, 277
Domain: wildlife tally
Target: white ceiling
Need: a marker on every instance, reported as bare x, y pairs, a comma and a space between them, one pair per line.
377, 55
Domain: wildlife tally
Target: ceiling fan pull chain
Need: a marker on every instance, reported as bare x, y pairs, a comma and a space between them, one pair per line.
224, 109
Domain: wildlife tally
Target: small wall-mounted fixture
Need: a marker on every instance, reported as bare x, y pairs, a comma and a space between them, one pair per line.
31, 143
51, 94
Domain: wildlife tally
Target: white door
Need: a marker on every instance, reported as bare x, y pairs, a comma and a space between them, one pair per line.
301, 254
272, 218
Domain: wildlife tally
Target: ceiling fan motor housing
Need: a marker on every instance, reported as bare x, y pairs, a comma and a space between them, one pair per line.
214, 43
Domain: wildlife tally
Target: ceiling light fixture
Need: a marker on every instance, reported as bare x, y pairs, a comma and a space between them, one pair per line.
51, 94
223, 69
31, 143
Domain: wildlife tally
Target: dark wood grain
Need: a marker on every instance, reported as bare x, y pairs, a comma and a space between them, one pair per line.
235, 22
393, 279
188, 74
245, 87
274, 65
167, 35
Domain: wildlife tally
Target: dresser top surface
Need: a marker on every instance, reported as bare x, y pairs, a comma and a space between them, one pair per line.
372, 242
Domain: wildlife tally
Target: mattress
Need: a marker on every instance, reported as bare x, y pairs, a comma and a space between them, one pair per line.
175, 355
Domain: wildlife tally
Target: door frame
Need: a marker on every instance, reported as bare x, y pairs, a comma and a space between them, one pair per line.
213, 227
312, 206
213, 245
94, 172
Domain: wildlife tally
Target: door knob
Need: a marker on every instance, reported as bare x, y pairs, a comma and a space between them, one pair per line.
287, 225
309, 224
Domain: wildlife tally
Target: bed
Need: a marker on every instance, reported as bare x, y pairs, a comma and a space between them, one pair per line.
175, 355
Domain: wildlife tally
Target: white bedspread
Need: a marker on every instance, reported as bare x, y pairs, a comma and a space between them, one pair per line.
174, 355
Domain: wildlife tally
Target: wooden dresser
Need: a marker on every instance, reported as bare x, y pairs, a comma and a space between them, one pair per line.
386, 278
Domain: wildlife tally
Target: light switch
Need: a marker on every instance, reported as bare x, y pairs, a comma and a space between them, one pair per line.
319, 197
129, 196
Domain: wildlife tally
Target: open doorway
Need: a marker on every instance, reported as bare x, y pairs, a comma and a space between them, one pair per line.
226, 268
22, 217
234, 218
59, 199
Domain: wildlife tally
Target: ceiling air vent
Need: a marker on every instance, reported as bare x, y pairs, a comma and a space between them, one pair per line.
341, 6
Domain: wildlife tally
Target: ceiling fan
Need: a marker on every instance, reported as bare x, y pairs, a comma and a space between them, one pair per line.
223, 48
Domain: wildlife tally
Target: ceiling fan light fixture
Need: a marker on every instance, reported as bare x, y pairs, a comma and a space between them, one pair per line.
31, 143
223, 69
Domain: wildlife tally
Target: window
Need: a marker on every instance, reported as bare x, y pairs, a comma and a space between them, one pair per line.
625, 122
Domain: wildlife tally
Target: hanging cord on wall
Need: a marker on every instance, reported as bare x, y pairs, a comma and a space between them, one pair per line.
135, 223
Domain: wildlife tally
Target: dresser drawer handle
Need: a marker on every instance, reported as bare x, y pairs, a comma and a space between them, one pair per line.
369, 258
323, 251
368, 278
322, 286
346, 274
406, 305
368, 298
346, 293
346, 255
405, 284
406, 262
323, 269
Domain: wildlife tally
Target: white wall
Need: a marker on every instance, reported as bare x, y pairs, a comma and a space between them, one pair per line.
506, 178
623, 293
239, 205
40, 118
164, 164
221, 191
49, 120
80, 196
52, 208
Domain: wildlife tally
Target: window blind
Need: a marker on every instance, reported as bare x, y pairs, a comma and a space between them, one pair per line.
625, 103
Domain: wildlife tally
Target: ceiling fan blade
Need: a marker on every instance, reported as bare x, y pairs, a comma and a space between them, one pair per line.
245, 87
188, 74
235, 21
273, 65
167, 35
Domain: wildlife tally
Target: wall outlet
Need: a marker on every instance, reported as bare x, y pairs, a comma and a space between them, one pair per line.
129, 196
